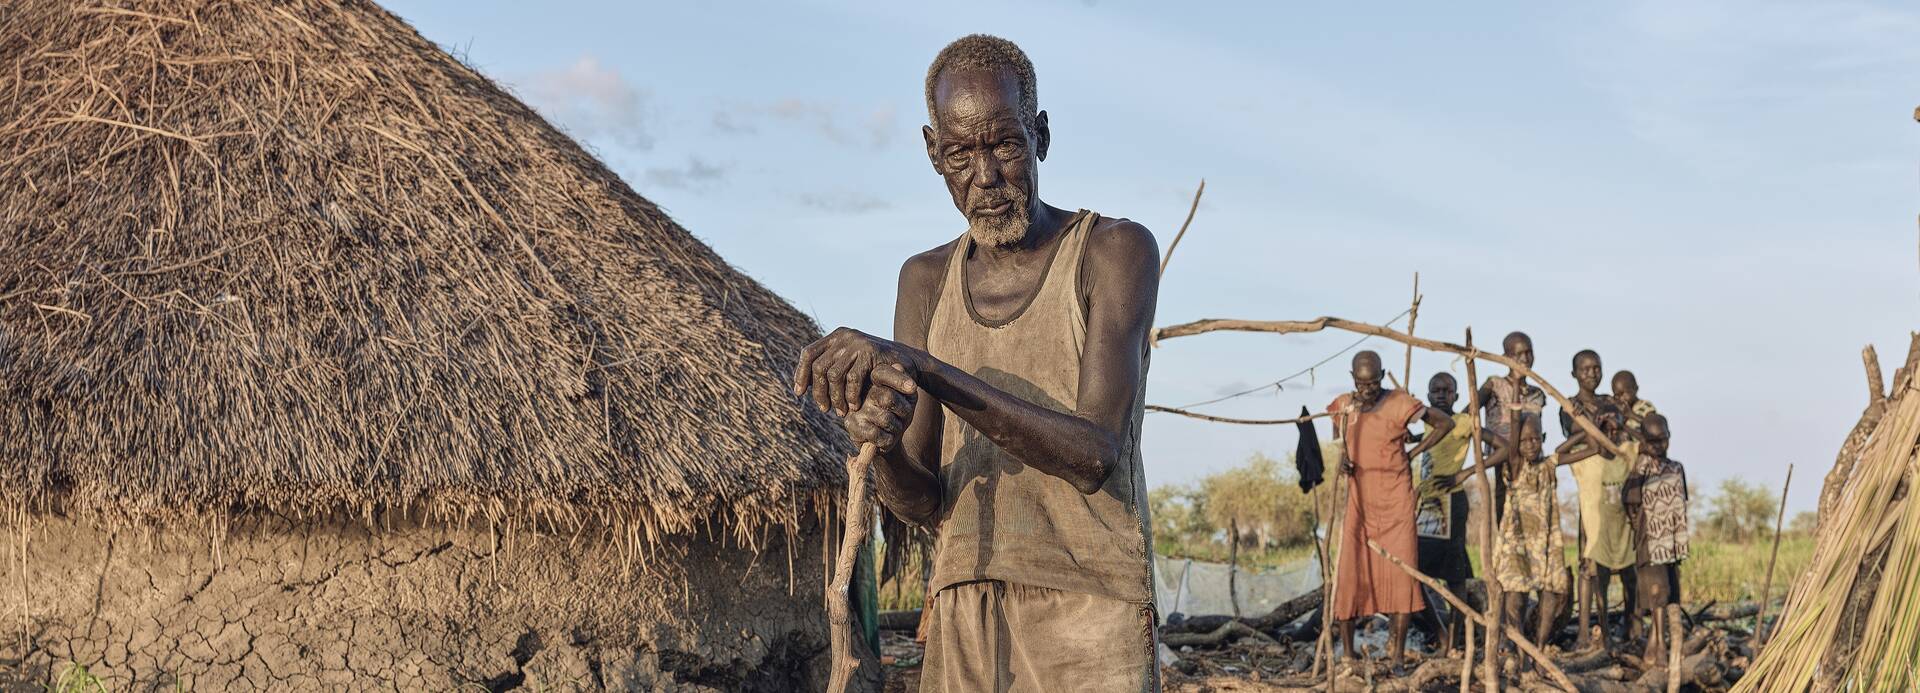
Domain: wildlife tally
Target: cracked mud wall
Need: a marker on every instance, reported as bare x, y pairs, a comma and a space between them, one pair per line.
284, 605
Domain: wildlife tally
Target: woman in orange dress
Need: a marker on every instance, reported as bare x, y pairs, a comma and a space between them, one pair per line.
1372, 424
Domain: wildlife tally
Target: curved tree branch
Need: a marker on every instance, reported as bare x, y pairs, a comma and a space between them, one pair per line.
1319, 324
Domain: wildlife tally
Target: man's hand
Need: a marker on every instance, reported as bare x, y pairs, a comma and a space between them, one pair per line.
839, 368
885, 412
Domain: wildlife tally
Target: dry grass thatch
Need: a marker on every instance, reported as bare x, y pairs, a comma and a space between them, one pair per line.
1852, 621
292, 256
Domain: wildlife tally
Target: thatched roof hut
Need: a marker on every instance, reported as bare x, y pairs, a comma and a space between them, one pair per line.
288, 268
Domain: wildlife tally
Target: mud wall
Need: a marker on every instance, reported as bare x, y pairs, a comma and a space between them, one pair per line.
268, 603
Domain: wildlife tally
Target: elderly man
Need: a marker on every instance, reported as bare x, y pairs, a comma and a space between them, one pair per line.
1372, 423
1008, 410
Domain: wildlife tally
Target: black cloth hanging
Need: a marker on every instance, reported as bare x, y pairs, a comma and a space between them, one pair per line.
1306, 458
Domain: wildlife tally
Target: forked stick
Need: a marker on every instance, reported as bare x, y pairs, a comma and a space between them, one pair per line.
859, 522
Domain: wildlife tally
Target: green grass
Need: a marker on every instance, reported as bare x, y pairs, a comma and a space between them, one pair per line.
908, 591
1723, 571
1249, 558
77, 679
1715, 571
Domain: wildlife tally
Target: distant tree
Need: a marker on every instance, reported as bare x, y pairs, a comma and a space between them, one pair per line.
1739, 512
1262, 499
1176, 515
1803, 523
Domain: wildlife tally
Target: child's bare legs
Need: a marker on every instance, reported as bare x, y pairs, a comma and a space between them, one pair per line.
1551, 606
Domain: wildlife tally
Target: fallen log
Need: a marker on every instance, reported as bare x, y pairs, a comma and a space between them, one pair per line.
1593, 683
1227, 632
1585, 662
900, 620
1281, 615
1728, 612
1703, 670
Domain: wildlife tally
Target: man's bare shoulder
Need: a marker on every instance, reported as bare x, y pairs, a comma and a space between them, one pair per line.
922, 272
1123, 238
1121, 249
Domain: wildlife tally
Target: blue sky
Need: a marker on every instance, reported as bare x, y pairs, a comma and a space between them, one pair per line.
1717, 195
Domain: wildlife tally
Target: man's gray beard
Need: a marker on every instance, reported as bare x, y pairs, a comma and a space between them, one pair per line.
1000, 231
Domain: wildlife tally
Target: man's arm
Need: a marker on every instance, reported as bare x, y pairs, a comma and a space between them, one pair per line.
907, 479
1121, 284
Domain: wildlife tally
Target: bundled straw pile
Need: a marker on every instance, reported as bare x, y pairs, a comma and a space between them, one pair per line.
1853, 619
291, 256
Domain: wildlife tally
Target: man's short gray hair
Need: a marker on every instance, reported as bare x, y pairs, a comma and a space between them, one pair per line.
987, 52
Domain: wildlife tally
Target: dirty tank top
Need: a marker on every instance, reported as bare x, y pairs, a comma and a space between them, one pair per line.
999, 518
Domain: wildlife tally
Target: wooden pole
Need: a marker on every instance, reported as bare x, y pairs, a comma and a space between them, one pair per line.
1519, 639
1489, 551
1413, 318
1233, 564
1320, 656
1323, 323
1466, 664
1673, 648
1334, 527
839, 612
1766, 588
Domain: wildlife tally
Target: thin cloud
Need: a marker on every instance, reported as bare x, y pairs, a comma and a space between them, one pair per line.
696, 175
844, 202
872, 129
594, 102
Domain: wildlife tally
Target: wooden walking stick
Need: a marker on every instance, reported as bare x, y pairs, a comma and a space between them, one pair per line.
1766, 588
858, 523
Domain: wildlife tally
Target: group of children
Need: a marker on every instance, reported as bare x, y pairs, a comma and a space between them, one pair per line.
1632, 506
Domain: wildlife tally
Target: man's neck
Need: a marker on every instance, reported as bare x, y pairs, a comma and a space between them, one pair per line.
1445, 410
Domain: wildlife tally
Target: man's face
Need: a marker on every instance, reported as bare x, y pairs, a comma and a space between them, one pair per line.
1586, 371
985, 152
1442, 393
1366, 382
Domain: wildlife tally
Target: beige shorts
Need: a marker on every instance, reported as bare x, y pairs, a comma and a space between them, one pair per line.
997, 636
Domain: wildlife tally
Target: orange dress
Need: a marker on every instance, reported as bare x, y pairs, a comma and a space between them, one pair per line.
1380, 506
